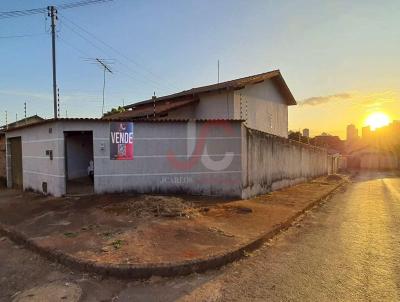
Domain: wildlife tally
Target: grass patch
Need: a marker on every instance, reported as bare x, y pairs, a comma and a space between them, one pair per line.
70, 234
117, 244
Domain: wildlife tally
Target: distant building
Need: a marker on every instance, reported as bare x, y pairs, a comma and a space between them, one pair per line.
332, 143
366, 132
25, 121
352, 133
306, 132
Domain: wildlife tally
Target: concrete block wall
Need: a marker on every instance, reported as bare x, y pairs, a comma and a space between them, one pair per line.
176, 157
169, 157
36, 165
379, 161
271, 162
2, 158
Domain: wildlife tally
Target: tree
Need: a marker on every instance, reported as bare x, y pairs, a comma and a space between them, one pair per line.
119, 109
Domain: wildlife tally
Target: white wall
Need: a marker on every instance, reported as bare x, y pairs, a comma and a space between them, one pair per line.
151, 170
263, 108
379, 161
214, 105
36, 165
261, 105
271, 162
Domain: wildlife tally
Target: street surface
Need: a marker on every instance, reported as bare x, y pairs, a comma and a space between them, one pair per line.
347, 249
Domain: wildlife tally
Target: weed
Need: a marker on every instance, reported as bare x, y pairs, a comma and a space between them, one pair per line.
70, 234
117, 244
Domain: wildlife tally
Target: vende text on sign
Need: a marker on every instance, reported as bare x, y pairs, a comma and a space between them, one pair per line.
121, 141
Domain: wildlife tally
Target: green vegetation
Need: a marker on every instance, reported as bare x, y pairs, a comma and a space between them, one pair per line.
70, 234
117, 244
119, 109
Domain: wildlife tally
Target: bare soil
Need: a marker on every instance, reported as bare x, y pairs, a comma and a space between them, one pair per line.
140, 229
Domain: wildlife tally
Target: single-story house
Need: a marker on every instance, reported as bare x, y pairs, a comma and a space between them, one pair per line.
260, 100
372, 158
25, 121
211, 146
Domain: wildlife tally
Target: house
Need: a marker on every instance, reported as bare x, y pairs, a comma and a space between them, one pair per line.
227, 139
25, 121
261, 100
373, 158
332, 143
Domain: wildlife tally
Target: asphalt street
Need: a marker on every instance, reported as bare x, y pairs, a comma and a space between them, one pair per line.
346, 249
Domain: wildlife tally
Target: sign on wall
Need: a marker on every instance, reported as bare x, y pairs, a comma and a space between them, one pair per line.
121, 141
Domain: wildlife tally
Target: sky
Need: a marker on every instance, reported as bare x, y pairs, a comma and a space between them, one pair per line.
339, 58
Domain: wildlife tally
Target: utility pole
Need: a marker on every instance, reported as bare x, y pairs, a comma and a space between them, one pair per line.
25, 111
52, 12
6, 120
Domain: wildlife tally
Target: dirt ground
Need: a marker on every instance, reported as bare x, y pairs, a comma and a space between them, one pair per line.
140, 229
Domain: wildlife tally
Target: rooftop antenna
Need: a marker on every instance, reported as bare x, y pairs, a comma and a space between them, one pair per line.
52, 12
218, 71
6, 120
25, 111
58, 103
105, 64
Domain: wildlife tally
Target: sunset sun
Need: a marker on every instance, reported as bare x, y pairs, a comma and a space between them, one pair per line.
377, 119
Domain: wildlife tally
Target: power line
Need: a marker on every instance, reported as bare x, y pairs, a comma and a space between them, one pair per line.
118, 52
22, 36
156, 83
85, 54
34, 11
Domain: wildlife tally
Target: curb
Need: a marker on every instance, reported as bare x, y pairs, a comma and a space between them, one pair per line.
159, 269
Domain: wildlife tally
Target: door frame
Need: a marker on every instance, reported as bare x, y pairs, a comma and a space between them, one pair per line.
10, 141
66, 154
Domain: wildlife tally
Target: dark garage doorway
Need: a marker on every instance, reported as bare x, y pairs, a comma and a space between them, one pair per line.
16, 162
78, 159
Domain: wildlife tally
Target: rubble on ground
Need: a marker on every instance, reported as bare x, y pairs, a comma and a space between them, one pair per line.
153, 206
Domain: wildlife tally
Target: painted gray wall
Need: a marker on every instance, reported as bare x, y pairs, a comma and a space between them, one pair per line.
151, 170
37, 167
213, 105
263, 108
2, 157
261, 105
239, 162
271, 162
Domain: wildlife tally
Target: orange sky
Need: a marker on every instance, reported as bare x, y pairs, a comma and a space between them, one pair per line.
332, 113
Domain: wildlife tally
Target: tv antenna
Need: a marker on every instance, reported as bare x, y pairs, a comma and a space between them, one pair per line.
52, 12
105, 65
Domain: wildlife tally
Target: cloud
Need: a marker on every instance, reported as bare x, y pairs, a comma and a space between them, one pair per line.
318, 100
27, 94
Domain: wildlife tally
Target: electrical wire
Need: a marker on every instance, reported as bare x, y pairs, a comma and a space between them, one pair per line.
22, 36
146, 79
139, 65
34, 11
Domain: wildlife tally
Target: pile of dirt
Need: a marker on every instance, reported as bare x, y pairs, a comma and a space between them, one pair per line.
334, 177
153, 206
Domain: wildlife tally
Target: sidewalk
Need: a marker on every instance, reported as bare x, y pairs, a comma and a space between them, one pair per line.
140, 235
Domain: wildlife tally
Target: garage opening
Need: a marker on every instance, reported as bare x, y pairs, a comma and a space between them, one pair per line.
16, 162
79, 163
